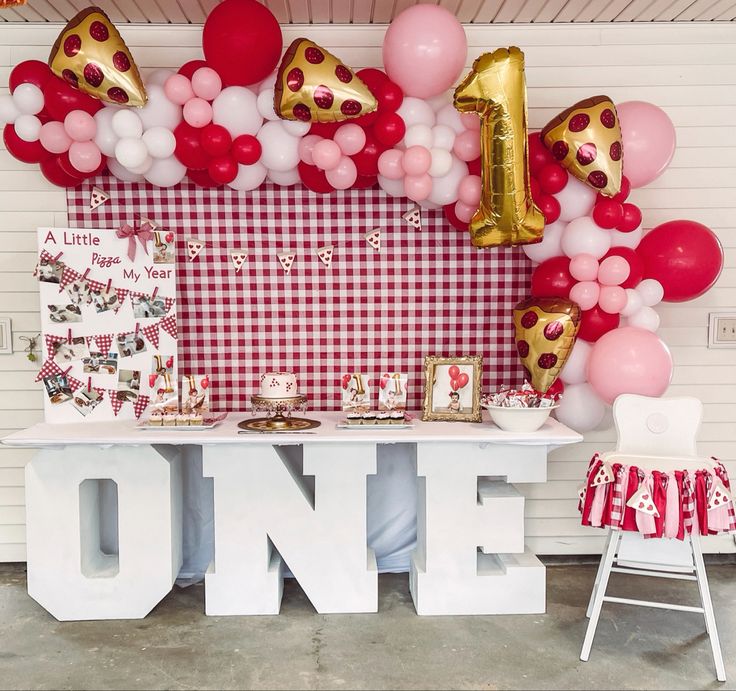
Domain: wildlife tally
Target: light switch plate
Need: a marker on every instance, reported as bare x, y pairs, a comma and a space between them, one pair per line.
6, 336
722, 330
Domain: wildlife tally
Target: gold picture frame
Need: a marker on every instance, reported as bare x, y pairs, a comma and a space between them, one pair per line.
443, 402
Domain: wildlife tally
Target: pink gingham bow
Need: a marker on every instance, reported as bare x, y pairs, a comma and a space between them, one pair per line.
144, 235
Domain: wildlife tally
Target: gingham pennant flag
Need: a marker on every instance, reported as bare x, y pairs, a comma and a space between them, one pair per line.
51, 341
151, 332
104, 342
68, 276
122, 294
74, 383
168, 303
140, 404
48, 368
89, 340
115, 402
168, 324
95, 286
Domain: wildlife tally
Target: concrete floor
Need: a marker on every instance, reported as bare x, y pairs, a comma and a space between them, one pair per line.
177, 647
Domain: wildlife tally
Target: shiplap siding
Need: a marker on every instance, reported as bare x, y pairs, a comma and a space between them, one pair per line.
688, 69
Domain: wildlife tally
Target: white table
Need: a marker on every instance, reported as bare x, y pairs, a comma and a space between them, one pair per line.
302, 493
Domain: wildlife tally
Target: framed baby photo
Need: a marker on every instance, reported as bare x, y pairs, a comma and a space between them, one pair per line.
452, 388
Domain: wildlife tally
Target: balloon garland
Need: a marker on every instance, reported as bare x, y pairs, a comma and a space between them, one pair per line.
242, 117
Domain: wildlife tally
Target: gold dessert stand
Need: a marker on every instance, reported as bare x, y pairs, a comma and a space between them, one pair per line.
279, 417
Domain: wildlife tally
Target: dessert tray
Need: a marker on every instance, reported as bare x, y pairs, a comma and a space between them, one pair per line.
369, 426
208, 422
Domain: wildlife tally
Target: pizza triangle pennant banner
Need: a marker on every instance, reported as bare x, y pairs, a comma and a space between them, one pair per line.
115, 401
121, 294
151, 332
325, 254
140, 404
97, 198
194, 247
286, 260
414, 217
168, 324
238, 258
374, 239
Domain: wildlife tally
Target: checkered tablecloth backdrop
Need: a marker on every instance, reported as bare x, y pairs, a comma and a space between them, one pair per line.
427, 292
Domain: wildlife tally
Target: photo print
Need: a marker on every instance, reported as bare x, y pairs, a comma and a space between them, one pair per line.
104, 300
50, 271
130, 343
164, 247
68, 313
69, 351
98, 363
148, 307
79, 292
129, 384
195, 397
57, 388
84, 401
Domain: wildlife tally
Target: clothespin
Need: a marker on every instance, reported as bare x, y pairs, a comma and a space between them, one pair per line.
56, 258
69, 336
155, 293
89, 384
109, 285
86, 273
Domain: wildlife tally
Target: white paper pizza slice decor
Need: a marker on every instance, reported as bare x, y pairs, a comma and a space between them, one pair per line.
194, 247
238, 257
414, 217
642, 501
97, 198
286, 259
374, 239
325, 254
604, 475
719, 495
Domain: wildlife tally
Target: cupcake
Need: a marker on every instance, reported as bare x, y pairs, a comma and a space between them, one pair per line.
398, 417
354, 418
170, 420
382, 418
182, 420
196, 419
369, 418
156, 419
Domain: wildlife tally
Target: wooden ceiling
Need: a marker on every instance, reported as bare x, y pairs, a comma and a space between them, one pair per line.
382, 11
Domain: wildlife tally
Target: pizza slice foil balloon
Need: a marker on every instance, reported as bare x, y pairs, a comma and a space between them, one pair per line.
91, 55
546, 329
586, 139
312, 85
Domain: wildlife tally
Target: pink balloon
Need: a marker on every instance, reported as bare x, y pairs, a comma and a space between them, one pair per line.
389, 164
584, 267
649, 141
586, 294
464, 212
416, 161
206, 83
417, 187
424, 50
54, 137
197, 112
326, 154
612, 299
80, 126
629, 360
470, 121
343, 175
85, 156
467, 145
306, 147
350, 138
613, 271
469, 191
178, 89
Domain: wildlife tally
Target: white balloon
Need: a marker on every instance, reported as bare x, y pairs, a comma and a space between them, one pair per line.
645, 318
426, 204
444, 189
441, 163
249, 177
268, 83
651, 292
575, 369
125, 123
576, 199
160, 143
284, 179
443, 137
131, 153
264, 103
236, 109
439, 101
122, 173
415, 111
418, 135
28, 127
166, 172
159, 111
580, 408
8, 110
158, 77
633, 303
451, 118
106, 139
144, 167
280, 151
630, 240
394, 188
583, 235
550, 245
296, 128
28, 99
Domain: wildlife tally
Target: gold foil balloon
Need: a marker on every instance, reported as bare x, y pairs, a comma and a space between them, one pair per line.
496, 90
545, 333
586, 139
312, 85
91, 55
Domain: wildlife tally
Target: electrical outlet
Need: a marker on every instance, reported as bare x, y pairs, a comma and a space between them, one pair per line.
722, 330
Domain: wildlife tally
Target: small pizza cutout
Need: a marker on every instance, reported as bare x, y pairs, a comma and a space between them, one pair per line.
97, 198
374, 239
238, 258
287, 260
194, 247
642, 501
325, 254
719, 495
603, 476
414, 217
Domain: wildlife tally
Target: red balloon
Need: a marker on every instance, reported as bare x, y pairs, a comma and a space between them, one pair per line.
453, 371
56, 175
373, 78
552, 178
454, 384
462, 379
631, 218
201, 178
684, 256
389, 96
28, 152
474, 166
552, 278
325, 129
242, 41
389, 129
215, 140
364, 182
30, 72
246, 149
451, 216
550, 207
557, 388
314, 178
366, 121
636, 267
66, 165
223, 169
608, 213
535, 188
539, 156
188, 147
366, 160
60, 99
189, 68
595, 322
623, 195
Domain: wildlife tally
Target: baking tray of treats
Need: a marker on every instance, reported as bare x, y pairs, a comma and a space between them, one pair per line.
208, 422
361, 423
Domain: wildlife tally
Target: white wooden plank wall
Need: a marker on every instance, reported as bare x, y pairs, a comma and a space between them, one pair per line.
688, 69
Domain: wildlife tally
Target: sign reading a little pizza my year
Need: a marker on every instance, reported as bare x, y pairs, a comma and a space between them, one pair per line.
108, 314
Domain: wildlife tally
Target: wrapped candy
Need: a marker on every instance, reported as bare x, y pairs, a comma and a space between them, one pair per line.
526, 397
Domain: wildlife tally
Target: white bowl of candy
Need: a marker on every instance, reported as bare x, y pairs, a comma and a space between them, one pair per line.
524, 410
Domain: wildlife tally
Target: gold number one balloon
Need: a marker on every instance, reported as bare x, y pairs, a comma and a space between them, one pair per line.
495, 89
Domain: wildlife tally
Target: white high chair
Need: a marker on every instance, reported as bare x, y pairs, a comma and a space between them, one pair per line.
655, 434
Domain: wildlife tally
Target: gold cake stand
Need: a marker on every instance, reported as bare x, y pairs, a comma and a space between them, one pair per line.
279, 418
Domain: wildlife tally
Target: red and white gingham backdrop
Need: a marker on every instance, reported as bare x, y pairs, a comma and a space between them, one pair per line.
427, 292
